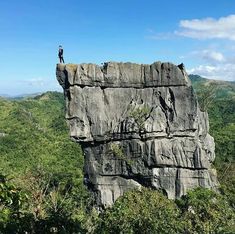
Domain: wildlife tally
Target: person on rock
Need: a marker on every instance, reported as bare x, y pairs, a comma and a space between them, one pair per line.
60, 54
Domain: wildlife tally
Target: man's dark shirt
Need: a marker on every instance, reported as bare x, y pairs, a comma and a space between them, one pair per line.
60, 53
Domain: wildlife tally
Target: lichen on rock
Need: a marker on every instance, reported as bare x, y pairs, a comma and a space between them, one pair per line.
149, 116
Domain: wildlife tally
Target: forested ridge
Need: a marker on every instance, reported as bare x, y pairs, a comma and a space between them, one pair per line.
41, 179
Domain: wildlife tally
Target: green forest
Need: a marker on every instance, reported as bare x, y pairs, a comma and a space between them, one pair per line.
41, 175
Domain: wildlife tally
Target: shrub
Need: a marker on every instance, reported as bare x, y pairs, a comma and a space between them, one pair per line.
144, 211
205, 211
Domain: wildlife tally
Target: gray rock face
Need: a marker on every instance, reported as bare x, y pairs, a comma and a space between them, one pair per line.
139, 125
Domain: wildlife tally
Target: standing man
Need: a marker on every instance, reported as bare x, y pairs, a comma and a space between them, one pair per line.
60, 54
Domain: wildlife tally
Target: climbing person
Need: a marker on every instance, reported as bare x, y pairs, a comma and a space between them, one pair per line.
60, 54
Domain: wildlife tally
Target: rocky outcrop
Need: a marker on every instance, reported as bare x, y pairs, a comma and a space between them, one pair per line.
139, 125
2, 134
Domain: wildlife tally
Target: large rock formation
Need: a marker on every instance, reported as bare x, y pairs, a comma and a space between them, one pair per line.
139, 125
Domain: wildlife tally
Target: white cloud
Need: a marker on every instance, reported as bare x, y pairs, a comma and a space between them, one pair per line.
218, 66
210, 56
40, 83
204, 70
36, 82
218, 72
208, 28
213, 56
217, 61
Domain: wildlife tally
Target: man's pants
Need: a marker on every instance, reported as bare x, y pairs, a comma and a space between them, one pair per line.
61, 59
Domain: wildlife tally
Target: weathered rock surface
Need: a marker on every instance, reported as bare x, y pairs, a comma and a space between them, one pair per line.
139, 125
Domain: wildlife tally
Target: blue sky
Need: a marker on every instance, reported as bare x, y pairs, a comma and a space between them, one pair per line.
201, 34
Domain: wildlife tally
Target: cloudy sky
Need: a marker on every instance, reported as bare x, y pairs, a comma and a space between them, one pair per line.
201, 34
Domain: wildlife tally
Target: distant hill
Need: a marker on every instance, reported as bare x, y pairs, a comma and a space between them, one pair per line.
226, 89
222, 119
200, 79
3, 95
21, 96
34, 132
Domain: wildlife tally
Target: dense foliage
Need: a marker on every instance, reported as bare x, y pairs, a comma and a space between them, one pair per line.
148, 211
43, 163
41, 179
206, 211
142, 211
221, 110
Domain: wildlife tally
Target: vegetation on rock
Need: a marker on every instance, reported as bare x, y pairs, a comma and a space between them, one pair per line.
117, 151
140, 114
